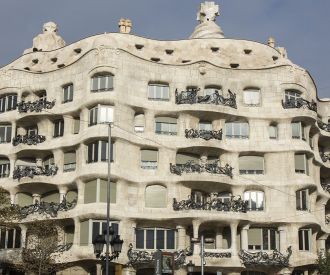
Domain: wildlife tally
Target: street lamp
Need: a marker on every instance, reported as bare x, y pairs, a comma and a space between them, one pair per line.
115, 242
190, 267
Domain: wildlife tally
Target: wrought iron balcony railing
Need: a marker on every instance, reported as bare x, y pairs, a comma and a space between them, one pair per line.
192, 167
190, 97
138, 257
35, 106
28, 139
299, 103
263, 258
31, 171
325, 157
69, 167
212, 202
204, 134
327, 219
325, 186
323, 126
47, 208
218, 255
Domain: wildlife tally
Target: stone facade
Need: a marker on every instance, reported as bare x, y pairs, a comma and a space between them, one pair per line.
268, 153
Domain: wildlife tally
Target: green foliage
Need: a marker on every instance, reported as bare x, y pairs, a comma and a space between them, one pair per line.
9, 214
323, 263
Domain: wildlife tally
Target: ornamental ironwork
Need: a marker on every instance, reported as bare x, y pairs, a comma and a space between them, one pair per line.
212, 202
31, 139
327, 219
325, 186
192, 167
299, 103
190, 97
262, 258
142, 257
218, 255
31, 171
323, 126
325, 157
47, 208
35, 106
63, 247
204, 134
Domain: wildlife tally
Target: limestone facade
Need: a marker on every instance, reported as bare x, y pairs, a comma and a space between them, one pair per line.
137, 82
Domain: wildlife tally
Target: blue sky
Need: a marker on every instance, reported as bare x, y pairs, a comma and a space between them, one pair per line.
301, 26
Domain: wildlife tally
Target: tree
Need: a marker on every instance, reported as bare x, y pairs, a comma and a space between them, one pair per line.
323, 262
9, 214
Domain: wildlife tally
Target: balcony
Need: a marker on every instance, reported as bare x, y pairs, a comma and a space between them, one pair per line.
192, 167
190, 97
204, 134
325, 157
217, 253
31, 139
31, 171
146, 258
323, 126
327, 219
325, 186
35, 106
265, 258
212, 202
299, 103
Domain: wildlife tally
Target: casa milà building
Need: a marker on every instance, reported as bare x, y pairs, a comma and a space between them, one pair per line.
211, 136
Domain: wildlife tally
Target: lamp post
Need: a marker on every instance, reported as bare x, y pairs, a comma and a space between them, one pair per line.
190, 267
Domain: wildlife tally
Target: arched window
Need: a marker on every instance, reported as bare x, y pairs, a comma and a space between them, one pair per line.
205, 125
96, 191
237, 129
156, 196
158, 91
255, 200
298, 130
251, 165
211, 89
102, 82
8, 102
4, 167
166, 125
273, 130
292, 95
251, 96
139, 123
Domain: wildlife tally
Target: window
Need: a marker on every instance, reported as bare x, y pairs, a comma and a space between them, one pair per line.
251, 165
139, 122
69, 161
23, 199
237, 129
48, 161
302, 199
51, 197
67, 93
155, 238
205, 125
102, 83
76, 126
58, 128
251, 97
4, 168
210, 90
263, 239
99, 151
149, 159
10, 238
273, 131
89, 229
198, 197
304, 236
298, 130
166, 125
158, 92
183, 158
301, 164
96, 191
100, 114
42, 94
156, 196
255, 200
32, 131
8, 103
292, 95
5, 133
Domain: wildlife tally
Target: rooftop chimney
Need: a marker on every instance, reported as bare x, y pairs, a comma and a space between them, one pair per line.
271, 42
125, 25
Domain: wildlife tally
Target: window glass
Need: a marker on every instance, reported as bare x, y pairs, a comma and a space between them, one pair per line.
237, 130
158, 92
68, 93
166, 125
139, 122
211, 90
155, 238
207, 126
255, 200
304, 239
150, 239
58, 128
296, 130
102, 83
139, 238
302, 197
5, 133
251, 165
156, 196
251, 97
301, 165
160, 235
100, 114
149, 159
272, 130
291, 95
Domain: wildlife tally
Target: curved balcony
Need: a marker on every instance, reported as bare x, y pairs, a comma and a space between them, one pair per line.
35, 106
324, 156
31, 171
299, 103
323, 126
263, 258
31, 139
192, 167
212, 202
204, 134
190, 97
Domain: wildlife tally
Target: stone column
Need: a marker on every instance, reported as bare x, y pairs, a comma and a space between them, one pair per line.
128, 271
12, 161
149, 121
23, 235
98, 269
62, 190
13, 129
283, 243
181, 237
68, 125
244, 237
83, 120
36, 198
196, 224
321, 242
81, 191
233, 231
59, 159
218, 238
76, 236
